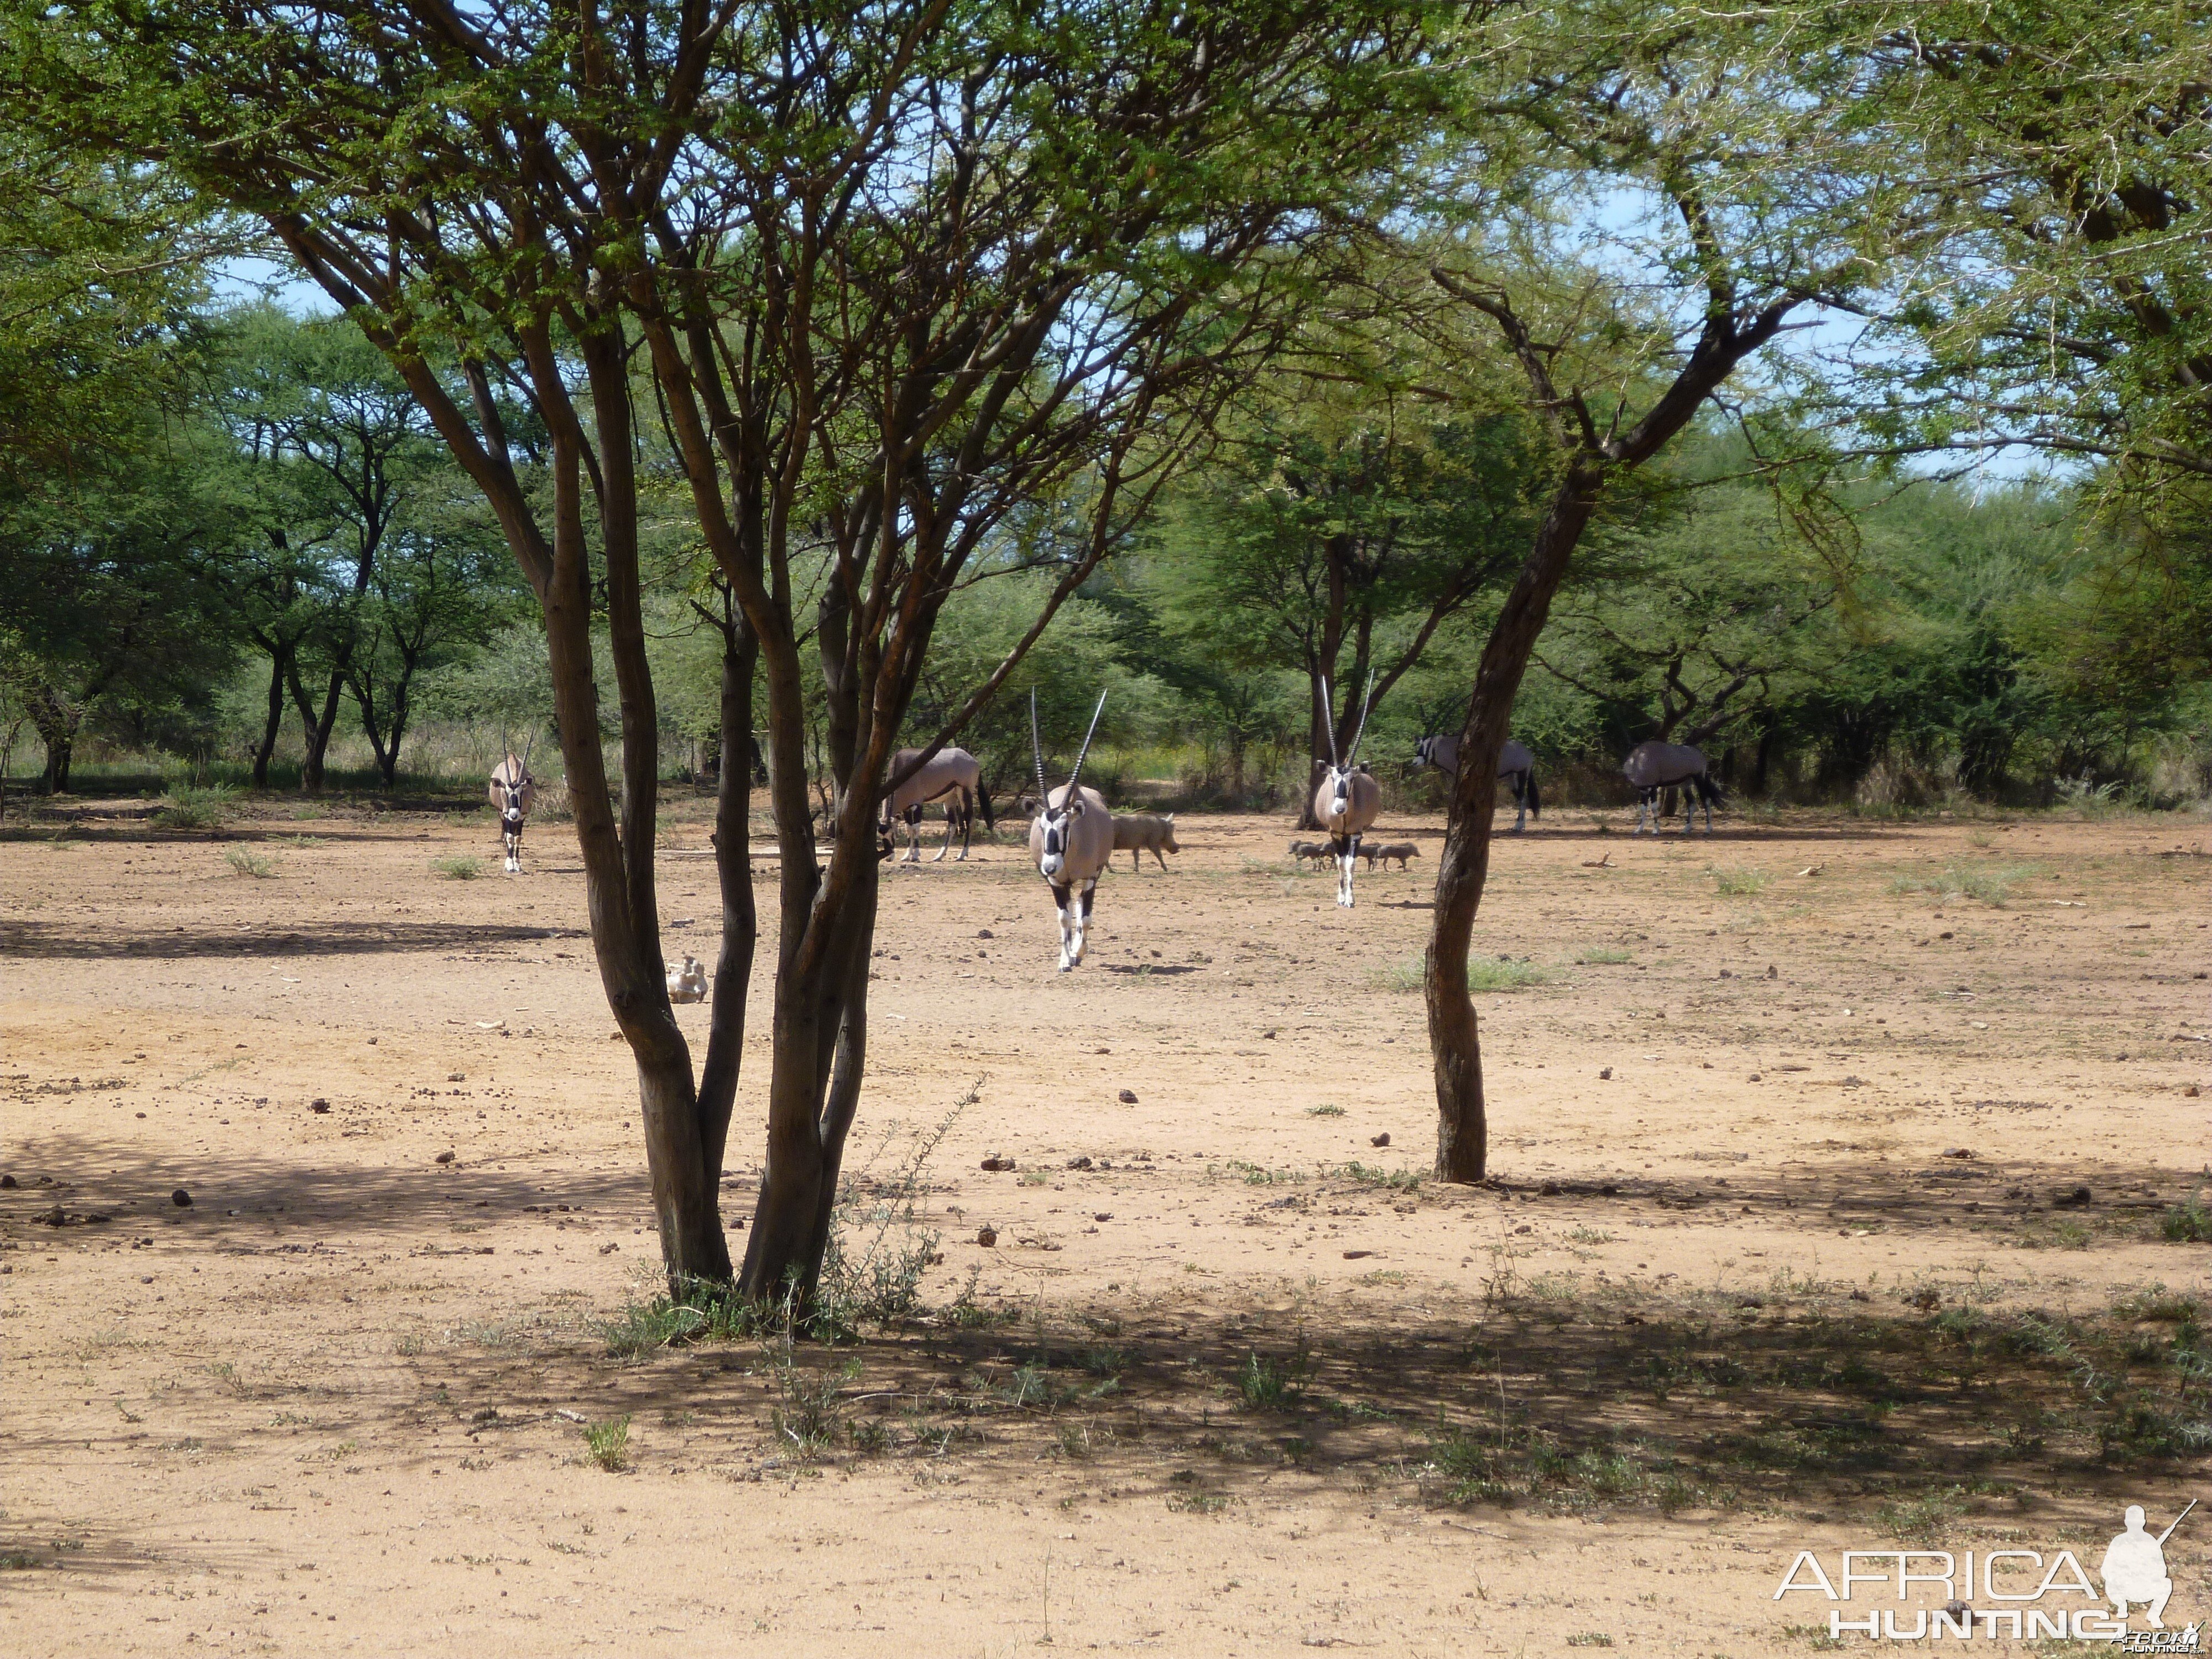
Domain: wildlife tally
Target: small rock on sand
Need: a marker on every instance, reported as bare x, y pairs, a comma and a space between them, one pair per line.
1128, 1096
9, 1181
445, 1158
181, 1199
987, 1237
1605, 1075
319, 1104
995, 1162
1382, 1139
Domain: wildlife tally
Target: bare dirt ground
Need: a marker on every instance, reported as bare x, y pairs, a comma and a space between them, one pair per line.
1784, 1249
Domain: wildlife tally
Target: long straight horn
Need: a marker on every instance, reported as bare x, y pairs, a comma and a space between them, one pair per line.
1365, 709
1328, 721
528, 743
1085, 750
1036, 751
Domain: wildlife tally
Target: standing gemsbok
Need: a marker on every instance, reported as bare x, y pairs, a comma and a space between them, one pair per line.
1071, 839
1515, 765
513, 792
950, 775
1652, 767
1349, 800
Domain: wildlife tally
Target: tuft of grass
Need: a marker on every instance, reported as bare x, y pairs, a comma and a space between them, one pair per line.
458, 867
1502, 975
1590, 1638
607, 1443
1254, 1175
1198, 1502
1275, 1385
245, 863
185, 807
1923, 1519
2187, 1223
1737, 880
1397, 1181
1603, 956
1990, 884
1324, 1111
1483, 974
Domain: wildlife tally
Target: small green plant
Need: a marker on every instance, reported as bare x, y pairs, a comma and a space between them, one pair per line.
1737, 880
1590, 1638
1925, 1519
1603, 956
810, 1414
2187, 1223
245, 863
1198, 1502
1275, 1385
458, 868
1397, 1181
1483, 974
184, 806
607, 1443
1324, 1111
1255, 1176
1502, 975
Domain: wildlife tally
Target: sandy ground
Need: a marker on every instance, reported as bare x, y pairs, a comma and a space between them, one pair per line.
338, 1404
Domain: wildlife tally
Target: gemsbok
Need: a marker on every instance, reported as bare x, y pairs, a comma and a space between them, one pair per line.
1349, 800
1515, 765
951, 775
1070, 840
1652, 767
513, 792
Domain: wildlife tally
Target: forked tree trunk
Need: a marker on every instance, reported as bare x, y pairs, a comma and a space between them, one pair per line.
1728, 337
1462, 1127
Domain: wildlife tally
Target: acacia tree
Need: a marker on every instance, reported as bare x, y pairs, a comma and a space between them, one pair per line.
894, 271
1619, 340
1342, 523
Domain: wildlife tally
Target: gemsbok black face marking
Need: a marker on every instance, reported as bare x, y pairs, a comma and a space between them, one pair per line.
1070, 840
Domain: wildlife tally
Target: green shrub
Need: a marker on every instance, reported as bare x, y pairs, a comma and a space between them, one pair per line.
184, 806
460, 868
245, 863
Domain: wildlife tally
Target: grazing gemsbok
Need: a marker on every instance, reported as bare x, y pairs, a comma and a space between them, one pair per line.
1071, 839
513, 792
1348, 799
1652, 767
1139, 833
953, 776
1515, 764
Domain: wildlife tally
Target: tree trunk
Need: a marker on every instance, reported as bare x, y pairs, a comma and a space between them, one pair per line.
60, 748
1463, 1127
733, 966
318, 733
278, 661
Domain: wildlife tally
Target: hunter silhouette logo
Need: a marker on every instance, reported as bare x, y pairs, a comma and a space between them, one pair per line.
2134, 1568
2022, 1592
